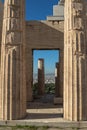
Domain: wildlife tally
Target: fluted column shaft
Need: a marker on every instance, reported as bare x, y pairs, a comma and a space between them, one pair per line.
75, 61
13, 85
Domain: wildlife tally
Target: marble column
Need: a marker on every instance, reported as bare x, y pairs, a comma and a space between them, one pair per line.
13, 83
41, 80
75, 61
61, 62
57, 80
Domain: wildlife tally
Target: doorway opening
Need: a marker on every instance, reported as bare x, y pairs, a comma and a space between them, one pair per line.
44, 87
48, 58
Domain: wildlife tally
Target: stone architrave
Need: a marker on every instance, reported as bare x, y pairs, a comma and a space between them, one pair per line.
57, 80
41, 80
13, 84
75, 61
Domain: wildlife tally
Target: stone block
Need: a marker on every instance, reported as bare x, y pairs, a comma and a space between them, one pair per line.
58, 10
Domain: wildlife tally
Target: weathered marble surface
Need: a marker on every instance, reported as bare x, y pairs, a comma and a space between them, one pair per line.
75, 61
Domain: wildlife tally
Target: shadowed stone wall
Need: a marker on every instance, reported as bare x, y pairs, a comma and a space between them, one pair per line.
43, 35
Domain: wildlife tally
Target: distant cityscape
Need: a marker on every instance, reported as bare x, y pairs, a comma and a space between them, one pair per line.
49, 78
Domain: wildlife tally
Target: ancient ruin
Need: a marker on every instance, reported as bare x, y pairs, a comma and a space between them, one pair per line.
13, 82
41, 78
66, 31
57, 80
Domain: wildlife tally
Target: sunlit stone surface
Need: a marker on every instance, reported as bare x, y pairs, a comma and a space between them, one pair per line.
75, 60
20, 38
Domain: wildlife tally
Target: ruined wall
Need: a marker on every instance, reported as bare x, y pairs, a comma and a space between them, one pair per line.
39, 35
43, 35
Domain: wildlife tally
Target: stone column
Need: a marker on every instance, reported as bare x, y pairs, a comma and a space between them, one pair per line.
75, 61
1, 20
57, 81
41, 80
13, 84
61, 56
58, 99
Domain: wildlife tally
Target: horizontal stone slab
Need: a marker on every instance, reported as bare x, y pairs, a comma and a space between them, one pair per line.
55, 18
60, 124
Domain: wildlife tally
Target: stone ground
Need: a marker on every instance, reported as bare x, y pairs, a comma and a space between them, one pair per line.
43, 110
42, 114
